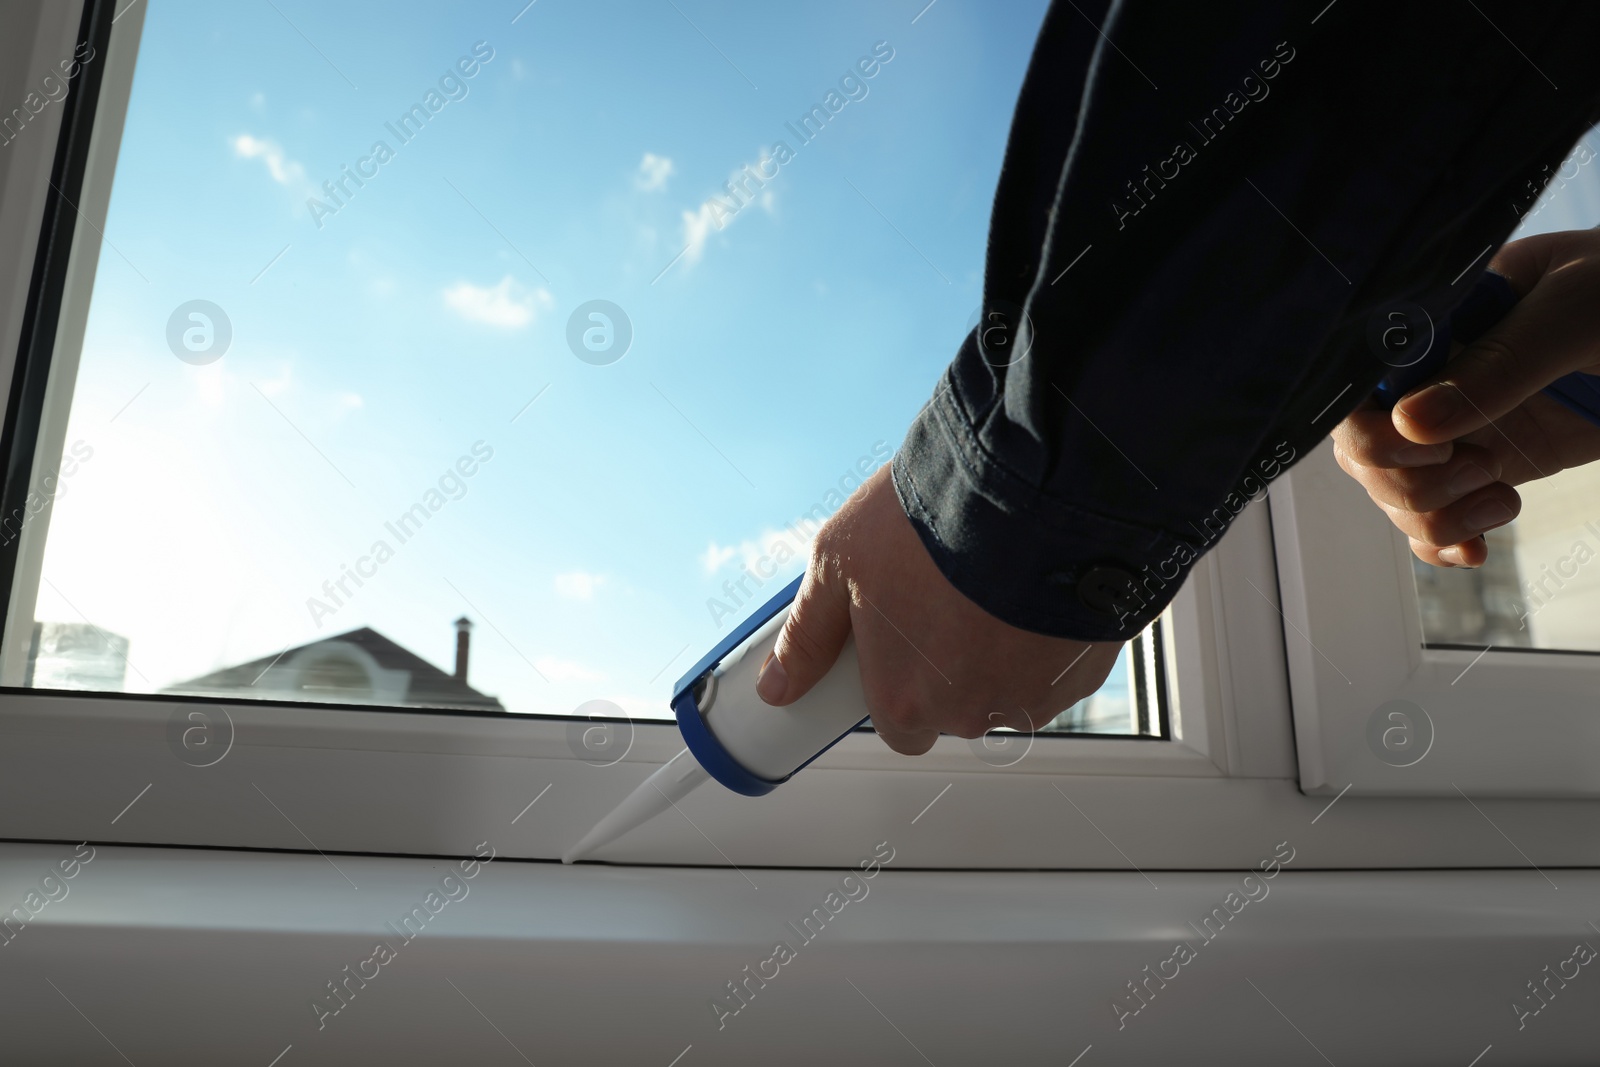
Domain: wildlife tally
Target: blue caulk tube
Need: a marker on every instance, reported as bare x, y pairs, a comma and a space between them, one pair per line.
734, 736
1486, 303
1490, 300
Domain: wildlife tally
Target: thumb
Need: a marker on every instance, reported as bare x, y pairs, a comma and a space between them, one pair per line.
1550, 333
818, 624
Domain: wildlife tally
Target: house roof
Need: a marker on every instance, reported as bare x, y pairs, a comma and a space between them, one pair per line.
428, 685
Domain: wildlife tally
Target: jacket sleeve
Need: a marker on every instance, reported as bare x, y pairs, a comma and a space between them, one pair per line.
1201, 210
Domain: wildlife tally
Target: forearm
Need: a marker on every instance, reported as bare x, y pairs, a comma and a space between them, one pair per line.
1195, 319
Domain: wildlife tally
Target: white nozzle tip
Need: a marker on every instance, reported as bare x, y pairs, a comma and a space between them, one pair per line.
671, 782
589, 842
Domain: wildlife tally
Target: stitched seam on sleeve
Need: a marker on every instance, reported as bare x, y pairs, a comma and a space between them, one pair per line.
993, 479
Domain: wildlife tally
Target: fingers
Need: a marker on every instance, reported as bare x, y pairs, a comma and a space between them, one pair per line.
808, 645
1550, 333
903, 738
900, 689
1430, 489
1424, 489
931, 660
910, 709
1368, 437
1443, 497
904, 726
1471, 553
1462, 521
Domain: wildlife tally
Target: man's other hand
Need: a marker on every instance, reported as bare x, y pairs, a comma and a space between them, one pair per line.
1442, 464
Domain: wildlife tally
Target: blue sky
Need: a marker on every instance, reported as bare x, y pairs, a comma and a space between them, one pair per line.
424, 315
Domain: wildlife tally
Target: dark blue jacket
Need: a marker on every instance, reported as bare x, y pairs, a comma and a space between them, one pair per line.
1202, 209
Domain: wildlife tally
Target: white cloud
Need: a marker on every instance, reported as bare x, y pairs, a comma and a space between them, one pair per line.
745, 186
284, 170
210, 385
565, 670
278, 385
579, 585
716, 555
697, 226
653, 173
767, 550
508, 304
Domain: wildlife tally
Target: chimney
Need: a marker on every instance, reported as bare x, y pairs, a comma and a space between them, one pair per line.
463, 640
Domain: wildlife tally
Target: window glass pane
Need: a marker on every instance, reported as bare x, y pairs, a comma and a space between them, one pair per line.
1540, 588
1111, 710
1537, 589
502, 357
1134, 699
1132, 703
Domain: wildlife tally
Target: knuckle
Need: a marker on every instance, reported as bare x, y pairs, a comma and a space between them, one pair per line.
1406, 490
900, 715
1382, 500
821, 557
909, 745
1341, 456
1379, 486
898, 744
1404, 521
1366, 474
1354, 450
1412, 493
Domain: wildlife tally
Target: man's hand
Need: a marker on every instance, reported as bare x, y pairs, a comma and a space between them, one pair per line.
932, 661
1442, 464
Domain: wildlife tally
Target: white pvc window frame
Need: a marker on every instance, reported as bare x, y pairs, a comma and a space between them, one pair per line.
114, 768
307, 777
1380, 715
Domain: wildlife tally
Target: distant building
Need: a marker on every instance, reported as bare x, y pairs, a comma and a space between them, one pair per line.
1476, 606
1558, 557
359, 667
76, 655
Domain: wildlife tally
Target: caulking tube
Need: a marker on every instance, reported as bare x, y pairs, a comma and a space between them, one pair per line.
733, 735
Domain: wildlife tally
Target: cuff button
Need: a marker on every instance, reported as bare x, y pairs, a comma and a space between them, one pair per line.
1104, 589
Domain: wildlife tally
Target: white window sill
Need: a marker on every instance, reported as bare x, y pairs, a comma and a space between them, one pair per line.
204, 957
